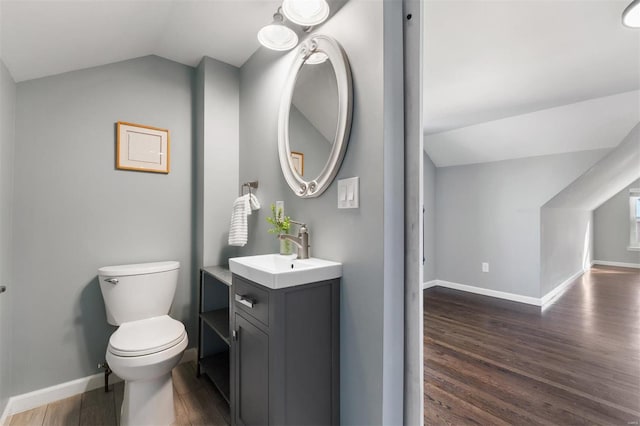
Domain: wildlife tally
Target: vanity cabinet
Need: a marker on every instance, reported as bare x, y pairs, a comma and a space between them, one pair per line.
285, 354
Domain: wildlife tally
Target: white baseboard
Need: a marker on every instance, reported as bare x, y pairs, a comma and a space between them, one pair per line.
621, 264
429, 284
557, 291
493, 293
27, 401
560, 288
5, 415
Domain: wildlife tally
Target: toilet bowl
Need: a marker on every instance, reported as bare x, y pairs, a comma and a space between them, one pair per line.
148, 343
143, 353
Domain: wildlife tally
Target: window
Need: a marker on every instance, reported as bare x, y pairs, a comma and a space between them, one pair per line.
634, 223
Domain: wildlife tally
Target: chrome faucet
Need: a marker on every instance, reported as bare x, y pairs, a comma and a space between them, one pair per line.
301, 241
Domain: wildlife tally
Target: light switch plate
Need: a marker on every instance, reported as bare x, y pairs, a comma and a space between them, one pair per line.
349, 193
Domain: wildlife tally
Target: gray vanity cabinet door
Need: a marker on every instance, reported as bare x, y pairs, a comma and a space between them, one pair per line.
285, 354
251, 374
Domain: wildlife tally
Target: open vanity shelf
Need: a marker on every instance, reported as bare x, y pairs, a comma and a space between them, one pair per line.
213, 327
218, 320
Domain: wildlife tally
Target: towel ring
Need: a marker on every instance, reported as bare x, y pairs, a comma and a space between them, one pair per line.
249, 185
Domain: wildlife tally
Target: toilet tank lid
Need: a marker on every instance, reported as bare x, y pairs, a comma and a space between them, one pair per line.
138, 269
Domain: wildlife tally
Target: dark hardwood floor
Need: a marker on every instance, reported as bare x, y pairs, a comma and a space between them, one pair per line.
577, 361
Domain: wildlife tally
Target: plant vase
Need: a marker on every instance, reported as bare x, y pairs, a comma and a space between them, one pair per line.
285, 247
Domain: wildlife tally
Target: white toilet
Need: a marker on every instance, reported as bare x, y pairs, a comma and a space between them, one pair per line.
148, 343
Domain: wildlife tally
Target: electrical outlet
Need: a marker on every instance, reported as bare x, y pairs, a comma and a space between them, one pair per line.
485, 267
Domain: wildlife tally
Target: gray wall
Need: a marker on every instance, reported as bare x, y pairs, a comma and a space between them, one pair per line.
217, 120
353, 237
566, 245
7, 135
429, 219
567, 219
395, 368
490, 212
74, 212
611, 229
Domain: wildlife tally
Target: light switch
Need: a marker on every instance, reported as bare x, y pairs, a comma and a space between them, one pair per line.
348, 193
342, 193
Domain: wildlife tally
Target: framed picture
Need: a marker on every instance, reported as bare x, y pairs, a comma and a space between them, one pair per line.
297, 158
142, 148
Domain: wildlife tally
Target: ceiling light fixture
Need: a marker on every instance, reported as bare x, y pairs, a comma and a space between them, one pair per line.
631, 15
276, 35
306, 12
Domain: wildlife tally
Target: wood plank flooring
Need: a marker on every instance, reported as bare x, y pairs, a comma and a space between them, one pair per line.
196, 400
494, 362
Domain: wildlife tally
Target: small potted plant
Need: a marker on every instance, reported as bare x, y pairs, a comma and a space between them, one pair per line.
281, 225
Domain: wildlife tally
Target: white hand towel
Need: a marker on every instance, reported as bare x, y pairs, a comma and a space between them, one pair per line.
238, 231
255, 204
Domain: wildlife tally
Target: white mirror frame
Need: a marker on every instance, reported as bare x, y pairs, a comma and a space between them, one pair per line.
317, 185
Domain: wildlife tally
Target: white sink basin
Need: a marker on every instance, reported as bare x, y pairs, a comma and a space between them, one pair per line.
278, 271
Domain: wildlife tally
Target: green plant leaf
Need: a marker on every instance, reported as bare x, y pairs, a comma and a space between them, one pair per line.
280, 223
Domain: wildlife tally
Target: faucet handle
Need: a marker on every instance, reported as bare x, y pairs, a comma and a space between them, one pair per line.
303, 226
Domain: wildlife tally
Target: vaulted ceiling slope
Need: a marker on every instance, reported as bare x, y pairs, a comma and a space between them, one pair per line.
605, 179
41, 38
486, 61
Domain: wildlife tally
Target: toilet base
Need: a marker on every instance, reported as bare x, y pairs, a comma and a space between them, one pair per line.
148, 402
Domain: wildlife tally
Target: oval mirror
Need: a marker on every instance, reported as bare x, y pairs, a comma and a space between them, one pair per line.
315, 116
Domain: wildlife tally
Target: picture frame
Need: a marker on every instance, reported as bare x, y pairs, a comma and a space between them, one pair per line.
142, 148
297, 158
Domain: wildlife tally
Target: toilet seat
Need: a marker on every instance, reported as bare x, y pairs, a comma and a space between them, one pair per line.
147, 336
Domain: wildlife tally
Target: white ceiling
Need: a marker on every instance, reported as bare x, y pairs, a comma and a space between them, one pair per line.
485, 60
489, 60
594, 124
40, 38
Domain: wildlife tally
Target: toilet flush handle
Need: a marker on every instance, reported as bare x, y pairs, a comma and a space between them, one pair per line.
113, 281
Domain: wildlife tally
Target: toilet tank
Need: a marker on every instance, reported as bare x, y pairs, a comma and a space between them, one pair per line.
140, 291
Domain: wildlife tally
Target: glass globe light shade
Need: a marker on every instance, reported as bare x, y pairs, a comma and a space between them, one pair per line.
316, 58
631, 15
277, 36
